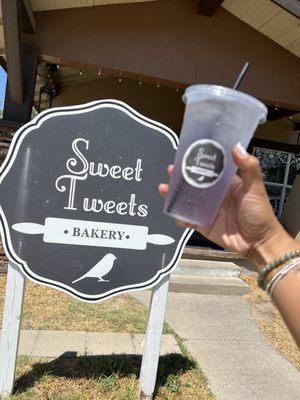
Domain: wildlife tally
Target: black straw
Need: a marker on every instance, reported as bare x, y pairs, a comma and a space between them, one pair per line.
241, 76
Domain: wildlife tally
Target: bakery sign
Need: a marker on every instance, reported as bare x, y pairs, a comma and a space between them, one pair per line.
80, 209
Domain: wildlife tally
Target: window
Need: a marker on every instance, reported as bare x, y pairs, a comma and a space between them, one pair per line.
279, 169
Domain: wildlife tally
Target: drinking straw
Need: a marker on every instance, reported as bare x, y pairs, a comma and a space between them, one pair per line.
241, 76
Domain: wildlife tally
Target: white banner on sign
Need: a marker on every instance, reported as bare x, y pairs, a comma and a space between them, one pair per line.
91, 233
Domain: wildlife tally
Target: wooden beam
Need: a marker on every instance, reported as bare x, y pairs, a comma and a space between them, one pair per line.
208, 7
292, 6
22, 112
28, 20
3, 63
11, 27
275, 113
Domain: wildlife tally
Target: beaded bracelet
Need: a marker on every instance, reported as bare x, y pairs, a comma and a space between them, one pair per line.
280, 274
274, 264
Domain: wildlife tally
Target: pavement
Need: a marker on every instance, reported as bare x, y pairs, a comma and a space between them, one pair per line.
221, 334
54, 344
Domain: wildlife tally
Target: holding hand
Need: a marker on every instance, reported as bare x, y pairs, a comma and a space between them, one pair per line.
245, 222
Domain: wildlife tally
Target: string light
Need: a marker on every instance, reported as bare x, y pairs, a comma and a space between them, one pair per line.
177, 90
158, 85
276, 108
57, 66
80, 72
119, 79
140, 82
99, 72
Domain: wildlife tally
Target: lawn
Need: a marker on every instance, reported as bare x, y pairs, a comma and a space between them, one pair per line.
103, 377
46, 308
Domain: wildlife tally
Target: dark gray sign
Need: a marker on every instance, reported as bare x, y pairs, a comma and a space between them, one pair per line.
79, 203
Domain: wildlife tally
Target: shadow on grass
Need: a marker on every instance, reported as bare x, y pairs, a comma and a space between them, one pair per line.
101, 367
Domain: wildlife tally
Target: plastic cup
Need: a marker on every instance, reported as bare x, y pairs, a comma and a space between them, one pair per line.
216, 118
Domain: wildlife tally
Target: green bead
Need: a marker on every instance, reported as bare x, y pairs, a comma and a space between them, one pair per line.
274, 264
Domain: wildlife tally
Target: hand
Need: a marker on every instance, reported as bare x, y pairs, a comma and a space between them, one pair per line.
245, 222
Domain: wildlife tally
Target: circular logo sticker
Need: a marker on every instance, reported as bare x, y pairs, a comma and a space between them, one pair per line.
203, 163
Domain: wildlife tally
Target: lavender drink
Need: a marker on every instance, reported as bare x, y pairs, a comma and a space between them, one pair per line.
216, 118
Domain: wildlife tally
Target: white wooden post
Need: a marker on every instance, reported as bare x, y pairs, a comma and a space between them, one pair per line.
12, 313
153, 338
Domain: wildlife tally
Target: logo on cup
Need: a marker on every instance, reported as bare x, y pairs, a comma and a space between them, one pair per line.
203, 163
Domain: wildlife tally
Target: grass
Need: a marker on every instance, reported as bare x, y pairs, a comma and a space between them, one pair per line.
271, 324
46, 308
104, 377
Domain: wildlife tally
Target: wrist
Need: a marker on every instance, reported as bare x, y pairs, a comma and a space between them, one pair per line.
275, 246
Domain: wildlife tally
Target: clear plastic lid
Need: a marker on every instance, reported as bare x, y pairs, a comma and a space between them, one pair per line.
197, 92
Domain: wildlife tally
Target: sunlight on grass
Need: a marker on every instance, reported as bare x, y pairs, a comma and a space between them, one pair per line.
46, 308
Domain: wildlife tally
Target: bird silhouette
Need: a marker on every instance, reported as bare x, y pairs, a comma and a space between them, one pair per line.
101, 269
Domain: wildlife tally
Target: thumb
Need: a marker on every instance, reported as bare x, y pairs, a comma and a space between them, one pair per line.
247, 164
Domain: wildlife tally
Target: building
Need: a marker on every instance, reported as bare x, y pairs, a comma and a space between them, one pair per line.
147, 52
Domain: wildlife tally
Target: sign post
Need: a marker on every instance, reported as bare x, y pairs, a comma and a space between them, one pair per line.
79, 205
11, 329
153, 338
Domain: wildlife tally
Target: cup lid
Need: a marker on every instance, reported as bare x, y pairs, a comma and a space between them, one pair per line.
192, 93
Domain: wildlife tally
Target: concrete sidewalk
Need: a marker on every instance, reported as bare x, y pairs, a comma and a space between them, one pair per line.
53, 344
221, 334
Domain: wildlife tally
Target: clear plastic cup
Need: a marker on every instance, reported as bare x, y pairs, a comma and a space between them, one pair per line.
216, 118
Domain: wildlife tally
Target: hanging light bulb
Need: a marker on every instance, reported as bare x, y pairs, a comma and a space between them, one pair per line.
158, 85
80, 72
140, 82
99, 72
177, 90
57, 66
120, 79
276, 108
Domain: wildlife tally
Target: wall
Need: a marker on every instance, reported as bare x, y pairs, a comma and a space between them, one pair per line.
282, 130
162, 104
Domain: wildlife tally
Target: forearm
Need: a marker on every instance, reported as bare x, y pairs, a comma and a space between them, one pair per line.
286, 297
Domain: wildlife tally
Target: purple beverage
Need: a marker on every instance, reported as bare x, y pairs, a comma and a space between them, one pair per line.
216, 118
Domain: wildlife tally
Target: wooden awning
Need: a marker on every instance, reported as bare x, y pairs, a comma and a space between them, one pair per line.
168, 41
265, 16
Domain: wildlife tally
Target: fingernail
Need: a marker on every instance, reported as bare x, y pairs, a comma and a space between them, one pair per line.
162, 186
241, 149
